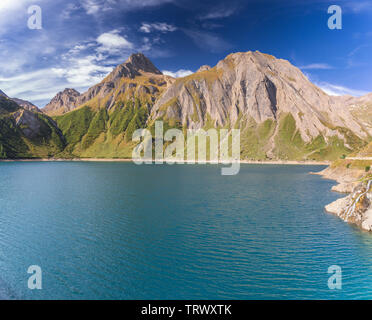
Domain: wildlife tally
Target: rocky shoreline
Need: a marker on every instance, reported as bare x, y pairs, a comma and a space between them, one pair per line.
356, 207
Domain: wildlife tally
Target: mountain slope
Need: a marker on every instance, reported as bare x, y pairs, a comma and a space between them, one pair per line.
27, 134
104, 117
23, 103
63, 102
281, 114
26, 105
135, 77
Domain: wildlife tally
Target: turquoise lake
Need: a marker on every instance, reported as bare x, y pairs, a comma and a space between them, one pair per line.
121, 231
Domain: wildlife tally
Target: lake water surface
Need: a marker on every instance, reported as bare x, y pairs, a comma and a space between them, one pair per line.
122, 231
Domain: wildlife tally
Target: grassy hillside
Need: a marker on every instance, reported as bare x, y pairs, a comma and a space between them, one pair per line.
16, 140
100, 133
105, 133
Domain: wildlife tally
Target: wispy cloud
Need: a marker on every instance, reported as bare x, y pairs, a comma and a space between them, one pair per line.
208, 41
12, 12
178, 74
37, 86
358, 6
219, 12
338, 90
319, 66
79, 65
157, 26
69, 10
96, 7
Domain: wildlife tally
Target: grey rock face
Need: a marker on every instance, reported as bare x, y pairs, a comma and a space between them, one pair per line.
26, 105
134, 66
28, 121
258, 86
63, 102
203, 68
249, 85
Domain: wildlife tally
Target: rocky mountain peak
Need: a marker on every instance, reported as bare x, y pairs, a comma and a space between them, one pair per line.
70, 91
63, 102
203, 68
136, 65
141, 63
2, 93
261, 89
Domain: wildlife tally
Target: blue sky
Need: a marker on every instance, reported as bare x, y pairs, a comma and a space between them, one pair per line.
82, 40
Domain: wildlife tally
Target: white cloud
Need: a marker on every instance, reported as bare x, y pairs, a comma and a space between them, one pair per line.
40, 63
158, 26
337, 90
83, 72
35, 86
41, 85
321, 66
112, 42
69, 10
219, 13
95, 7
178, 74
208, 41
9, 5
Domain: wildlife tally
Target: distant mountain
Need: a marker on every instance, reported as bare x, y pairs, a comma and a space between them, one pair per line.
23, 103
280, 113
360, 108
63, 102
26, 105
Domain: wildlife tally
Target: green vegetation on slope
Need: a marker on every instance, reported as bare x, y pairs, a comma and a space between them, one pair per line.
289, 144
12, 142
17, 142
255, 139
101, 133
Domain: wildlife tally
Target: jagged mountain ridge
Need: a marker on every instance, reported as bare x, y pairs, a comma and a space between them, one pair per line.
281, 114
135, 77
23, 103
247, 89
26, 105
63, 102
260, 86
